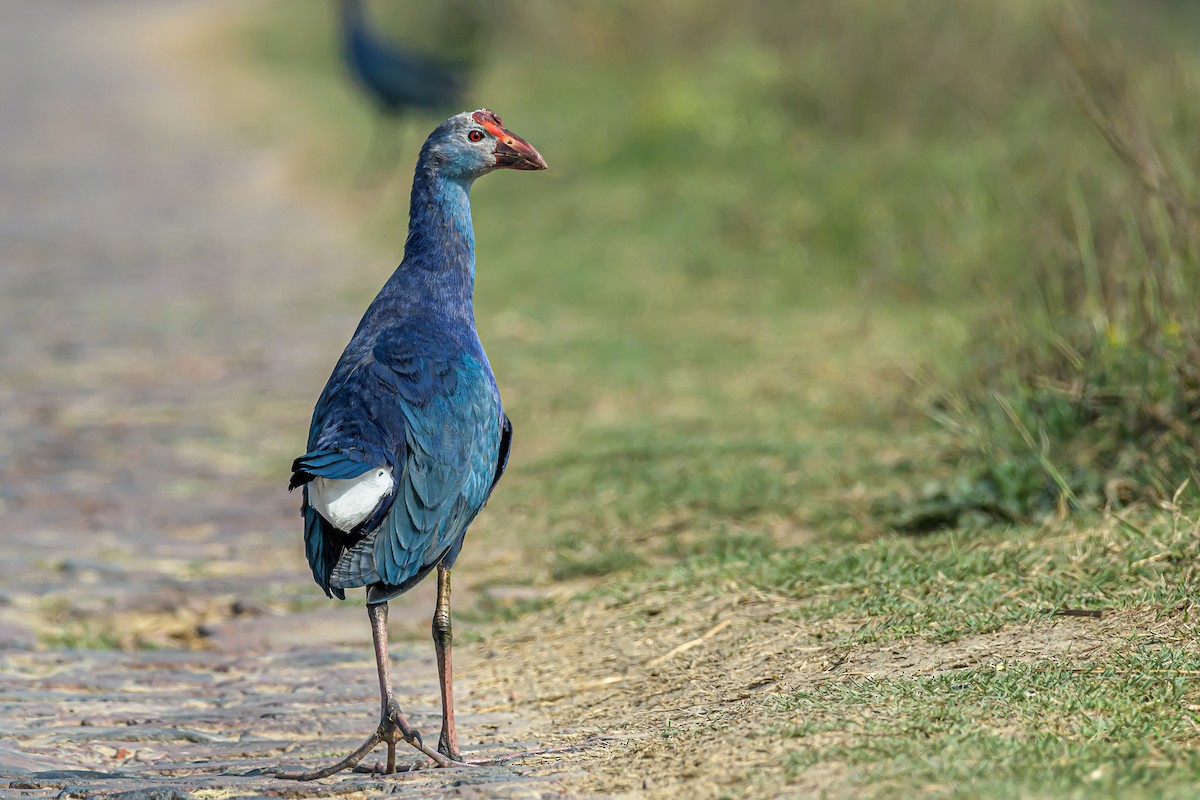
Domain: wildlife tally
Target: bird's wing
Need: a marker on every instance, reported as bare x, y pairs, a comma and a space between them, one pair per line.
506, 434
329, 464
434, 425
452, 416
400, 76
354, 435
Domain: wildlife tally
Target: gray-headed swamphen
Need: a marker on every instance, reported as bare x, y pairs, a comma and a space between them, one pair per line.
395, 78
408, 438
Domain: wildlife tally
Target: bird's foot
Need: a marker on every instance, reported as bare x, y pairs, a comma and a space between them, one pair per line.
349, 762
379, 768
400, 729
392, 729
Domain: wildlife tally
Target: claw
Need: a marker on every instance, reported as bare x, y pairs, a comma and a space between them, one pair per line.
410, 734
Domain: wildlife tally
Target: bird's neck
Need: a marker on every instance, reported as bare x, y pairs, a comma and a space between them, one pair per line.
354, 20
352, 11
439, 254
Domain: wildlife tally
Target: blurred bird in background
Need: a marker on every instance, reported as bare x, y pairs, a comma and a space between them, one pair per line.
399, 80
409, 438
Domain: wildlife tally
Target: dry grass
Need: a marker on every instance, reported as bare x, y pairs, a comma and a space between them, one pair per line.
716, 719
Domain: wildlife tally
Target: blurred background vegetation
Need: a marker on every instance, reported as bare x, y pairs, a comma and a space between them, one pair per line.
941, 252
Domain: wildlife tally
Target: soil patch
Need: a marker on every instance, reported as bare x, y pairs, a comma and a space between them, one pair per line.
673, 695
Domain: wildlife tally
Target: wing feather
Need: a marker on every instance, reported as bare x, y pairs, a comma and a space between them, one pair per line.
437, 424
451, 442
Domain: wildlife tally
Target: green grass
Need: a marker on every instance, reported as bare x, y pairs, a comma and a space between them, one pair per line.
84, 637
1116, 717
665, 352
710, 191
1087, 375
1125, 726
950, 584
801, 274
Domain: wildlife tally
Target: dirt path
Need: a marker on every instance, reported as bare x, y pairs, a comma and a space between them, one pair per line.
163, 337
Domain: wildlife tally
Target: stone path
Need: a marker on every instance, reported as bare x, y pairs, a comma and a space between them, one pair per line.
162, 337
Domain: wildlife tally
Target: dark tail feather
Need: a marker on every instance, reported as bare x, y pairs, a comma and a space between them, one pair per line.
322, 551
382, 592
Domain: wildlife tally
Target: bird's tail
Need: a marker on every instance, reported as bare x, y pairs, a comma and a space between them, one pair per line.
356, 567
356, 564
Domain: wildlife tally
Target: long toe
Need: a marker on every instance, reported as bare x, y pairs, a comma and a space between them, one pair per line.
391, 729
438, 757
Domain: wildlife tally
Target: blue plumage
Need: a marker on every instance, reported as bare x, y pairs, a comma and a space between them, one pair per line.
393, 76
413, 393
409, 438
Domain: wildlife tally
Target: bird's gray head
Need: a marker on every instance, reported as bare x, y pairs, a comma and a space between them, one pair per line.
474, 143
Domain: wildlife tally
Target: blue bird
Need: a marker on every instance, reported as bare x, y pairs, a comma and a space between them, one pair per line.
409, 438
395, 78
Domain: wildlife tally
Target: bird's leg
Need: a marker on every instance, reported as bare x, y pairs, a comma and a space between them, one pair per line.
376, 161
442, 639
392, 725
389, 710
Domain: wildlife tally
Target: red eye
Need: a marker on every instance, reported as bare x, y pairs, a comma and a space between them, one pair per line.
475, 136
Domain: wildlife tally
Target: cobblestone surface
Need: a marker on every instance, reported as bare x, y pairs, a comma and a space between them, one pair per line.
162, 334
204, 724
